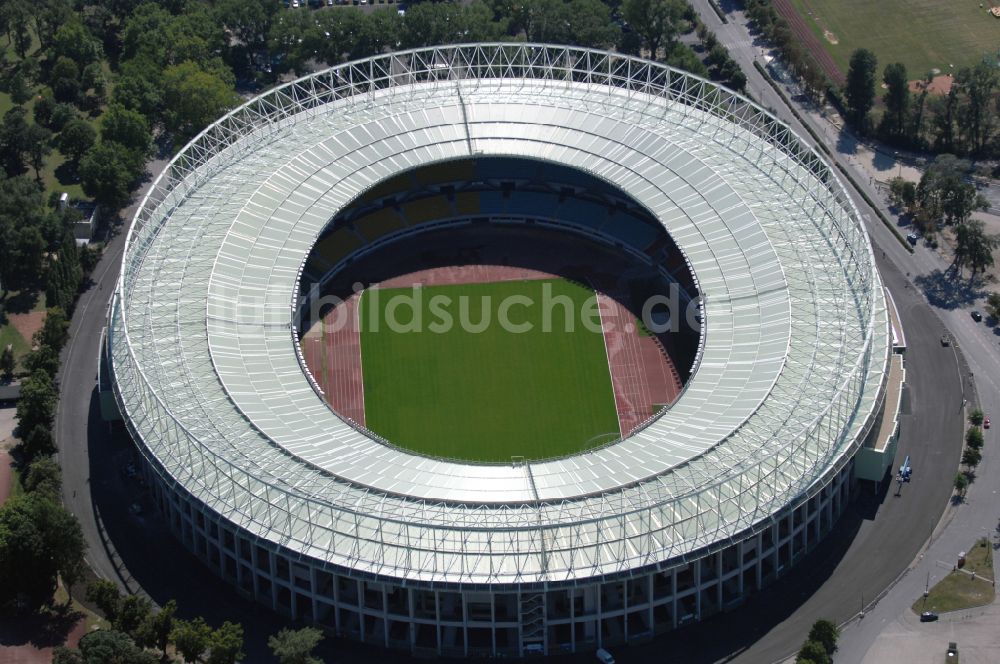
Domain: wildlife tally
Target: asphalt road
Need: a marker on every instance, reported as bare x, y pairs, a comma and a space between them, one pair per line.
858, 561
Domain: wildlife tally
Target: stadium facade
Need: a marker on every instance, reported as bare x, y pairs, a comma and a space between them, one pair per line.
309, 515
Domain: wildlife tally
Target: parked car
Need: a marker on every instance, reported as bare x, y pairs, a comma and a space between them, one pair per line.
928, 616
945, 340
604, 656
912, 238
986, 423
976, 315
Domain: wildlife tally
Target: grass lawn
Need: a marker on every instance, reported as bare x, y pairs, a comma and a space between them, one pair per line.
959, 590
9, 335
922, 34
490, 395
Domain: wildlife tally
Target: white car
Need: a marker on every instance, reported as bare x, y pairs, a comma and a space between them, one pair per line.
604, 656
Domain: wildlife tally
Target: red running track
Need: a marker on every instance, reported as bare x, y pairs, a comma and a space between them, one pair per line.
641, 375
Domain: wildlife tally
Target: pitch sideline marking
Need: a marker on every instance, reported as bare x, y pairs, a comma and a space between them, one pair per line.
607, 354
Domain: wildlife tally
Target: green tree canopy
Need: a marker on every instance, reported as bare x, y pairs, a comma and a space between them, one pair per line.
896, 98
191, 638
127, 127
813, 652
226, 644
194, 98
971, 457
825, 632
156, 628
860, 89
974, 437
74, 42
39, 540
106, 595
296, 646
44, 479
37, 403
107, 173
76, 138
658, 22
108, 646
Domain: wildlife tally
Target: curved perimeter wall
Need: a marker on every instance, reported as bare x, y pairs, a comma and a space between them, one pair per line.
713, 500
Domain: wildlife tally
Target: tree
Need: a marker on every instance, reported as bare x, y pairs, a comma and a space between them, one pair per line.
296, 646
977, 87
107, 173
974, 438
39, 540
38, 442
107, 646
64, 79
55, 330
226, 644
961, 483
656, 21
976, 416
903, 193
813, 652
106, 596
194, 98
39, 147
973, 247
37, 404
971, 457
76, 138
74, 42
248, 23
14, 140
860, 89
897, 99
191, 638
155, 630
128, 128
63, 655
132, 613
826, 633
44, 479
7, 363
44, 360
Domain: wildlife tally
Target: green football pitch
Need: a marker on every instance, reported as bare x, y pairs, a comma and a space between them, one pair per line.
922, 34
457, 392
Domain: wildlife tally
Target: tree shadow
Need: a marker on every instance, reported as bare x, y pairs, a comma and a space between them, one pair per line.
847, 143
948, 289
46, 629
885, 163
19, 302
67, 173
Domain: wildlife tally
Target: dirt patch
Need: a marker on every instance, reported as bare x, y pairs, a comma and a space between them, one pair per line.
27, 324
939, 85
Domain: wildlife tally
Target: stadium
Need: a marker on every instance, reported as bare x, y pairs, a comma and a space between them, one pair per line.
501, 168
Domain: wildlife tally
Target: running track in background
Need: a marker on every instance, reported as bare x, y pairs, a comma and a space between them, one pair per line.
642, 375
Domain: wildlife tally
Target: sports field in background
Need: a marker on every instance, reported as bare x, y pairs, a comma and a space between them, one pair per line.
490, 395
922, 34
